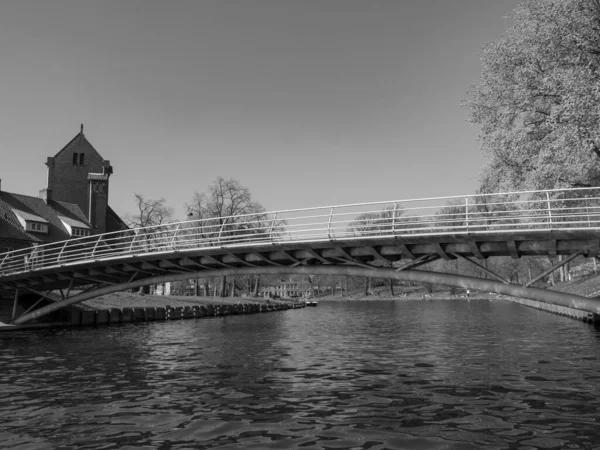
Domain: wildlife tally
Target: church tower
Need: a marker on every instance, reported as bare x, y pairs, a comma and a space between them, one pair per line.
78, 174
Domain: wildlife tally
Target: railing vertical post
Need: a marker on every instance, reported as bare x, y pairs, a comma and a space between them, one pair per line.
221, 231
175, 235
135, 235
96, 245
587, 212
272, 226
467, 212
4, 259
549, 208
61, 251
33, 257
329, 224
394, 218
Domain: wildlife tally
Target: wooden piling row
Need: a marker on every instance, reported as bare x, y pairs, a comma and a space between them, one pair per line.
561, 310
129, 315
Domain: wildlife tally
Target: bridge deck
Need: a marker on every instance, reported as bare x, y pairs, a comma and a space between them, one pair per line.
380, 250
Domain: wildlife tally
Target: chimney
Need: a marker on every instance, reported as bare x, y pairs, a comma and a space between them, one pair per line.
46, 195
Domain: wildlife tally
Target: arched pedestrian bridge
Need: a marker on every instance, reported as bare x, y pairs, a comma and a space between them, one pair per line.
382, 239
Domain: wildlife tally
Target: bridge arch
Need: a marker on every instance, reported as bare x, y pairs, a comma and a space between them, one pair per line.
590, 305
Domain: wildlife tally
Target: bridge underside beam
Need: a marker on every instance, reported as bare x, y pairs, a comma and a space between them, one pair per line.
558, 298
556, 266
424, 259
484, 269
363, 251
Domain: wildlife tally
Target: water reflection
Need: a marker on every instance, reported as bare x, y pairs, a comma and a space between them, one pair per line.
431, 374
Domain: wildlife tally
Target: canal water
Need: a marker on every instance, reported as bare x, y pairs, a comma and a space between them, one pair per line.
345, 375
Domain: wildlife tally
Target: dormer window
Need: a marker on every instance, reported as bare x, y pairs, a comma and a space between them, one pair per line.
37, 227
31, 222
75, 228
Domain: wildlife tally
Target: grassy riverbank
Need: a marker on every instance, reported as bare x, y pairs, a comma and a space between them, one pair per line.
127, 299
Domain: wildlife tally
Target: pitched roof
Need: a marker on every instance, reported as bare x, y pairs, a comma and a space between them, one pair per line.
28, 216
70, 210
35, 209
74, 223
10, 228
77, 140
114, 222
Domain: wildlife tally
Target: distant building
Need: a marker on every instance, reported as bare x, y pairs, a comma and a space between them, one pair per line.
74, 203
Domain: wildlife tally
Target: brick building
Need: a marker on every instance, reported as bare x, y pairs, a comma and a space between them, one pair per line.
74, 203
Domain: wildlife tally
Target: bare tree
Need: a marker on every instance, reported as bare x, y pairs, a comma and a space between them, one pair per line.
151, 223
149, 213
227, 210
224, 198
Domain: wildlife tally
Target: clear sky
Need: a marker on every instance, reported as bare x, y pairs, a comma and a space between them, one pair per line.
305, 102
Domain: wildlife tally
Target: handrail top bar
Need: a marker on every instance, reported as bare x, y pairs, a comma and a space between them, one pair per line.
419, 200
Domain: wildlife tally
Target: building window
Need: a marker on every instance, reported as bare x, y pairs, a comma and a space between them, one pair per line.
78, 159
37, 227
80, 232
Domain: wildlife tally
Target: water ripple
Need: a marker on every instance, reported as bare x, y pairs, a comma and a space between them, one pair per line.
357, 375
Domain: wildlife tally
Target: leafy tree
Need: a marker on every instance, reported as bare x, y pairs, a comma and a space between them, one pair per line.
537, 98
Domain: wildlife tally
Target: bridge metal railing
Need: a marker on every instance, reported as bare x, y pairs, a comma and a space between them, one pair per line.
512, 212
